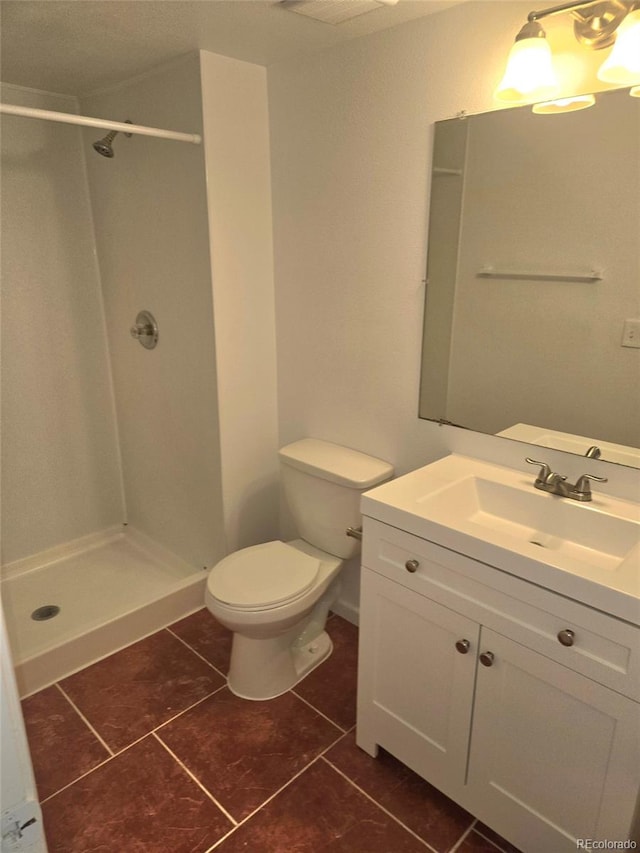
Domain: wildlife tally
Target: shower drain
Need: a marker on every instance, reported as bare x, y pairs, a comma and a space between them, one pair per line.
47, 611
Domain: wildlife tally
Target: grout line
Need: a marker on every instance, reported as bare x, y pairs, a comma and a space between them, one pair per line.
166, 722
326, 749
69, 784
195, 779
191, 649
313, 708
184, 710
113, 754
463, 837
266, 802
490, 840
84, 720
381, 807
98, 766
275, 794
223, 838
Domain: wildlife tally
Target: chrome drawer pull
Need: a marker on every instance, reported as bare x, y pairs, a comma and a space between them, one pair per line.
463, 646
412, 565
566, 637
486, 658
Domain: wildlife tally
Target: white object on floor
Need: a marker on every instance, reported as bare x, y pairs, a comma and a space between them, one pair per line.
275, 597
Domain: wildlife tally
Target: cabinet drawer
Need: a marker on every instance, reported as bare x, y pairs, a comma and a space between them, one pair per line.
601, 647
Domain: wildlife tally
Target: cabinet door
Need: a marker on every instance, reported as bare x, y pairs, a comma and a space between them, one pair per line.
554, 756
415, 688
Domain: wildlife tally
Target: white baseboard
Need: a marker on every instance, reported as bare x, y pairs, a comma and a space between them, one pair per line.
347, 611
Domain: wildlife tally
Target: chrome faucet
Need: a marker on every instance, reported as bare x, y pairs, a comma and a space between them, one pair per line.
556, 484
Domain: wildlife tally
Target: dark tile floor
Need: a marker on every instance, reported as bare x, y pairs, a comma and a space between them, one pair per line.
147, 751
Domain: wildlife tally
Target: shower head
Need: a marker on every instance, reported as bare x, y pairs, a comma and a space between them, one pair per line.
104, 146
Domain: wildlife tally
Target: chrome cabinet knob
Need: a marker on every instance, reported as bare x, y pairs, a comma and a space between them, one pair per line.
463, 646
486, 658
412, 566
566, 637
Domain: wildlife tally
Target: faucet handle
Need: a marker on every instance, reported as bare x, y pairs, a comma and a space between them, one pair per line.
545, 474
582, 489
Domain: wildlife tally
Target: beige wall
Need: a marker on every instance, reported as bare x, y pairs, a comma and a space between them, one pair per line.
150, 210
351, 136
60, 465
351, 139
236, 146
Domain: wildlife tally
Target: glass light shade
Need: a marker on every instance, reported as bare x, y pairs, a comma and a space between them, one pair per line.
529, 75
635, 92
622, 66
564, 105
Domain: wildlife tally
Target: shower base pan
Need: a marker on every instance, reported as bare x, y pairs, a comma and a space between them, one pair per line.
111, 588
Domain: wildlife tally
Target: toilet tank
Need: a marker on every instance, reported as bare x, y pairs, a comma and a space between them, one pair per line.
322, 484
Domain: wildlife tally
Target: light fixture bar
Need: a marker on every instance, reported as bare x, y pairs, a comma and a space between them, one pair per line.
563, 7
595, 21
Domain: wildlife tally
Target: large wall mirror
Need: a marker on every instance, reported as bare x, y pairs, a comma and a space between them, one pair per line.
533, 274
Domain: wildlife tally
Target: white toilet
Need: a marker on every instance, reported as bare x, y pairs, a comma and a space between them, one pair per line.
275, 597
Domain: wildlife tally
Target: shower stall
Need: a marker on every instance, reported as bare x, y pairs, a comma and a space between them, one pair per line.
112, 501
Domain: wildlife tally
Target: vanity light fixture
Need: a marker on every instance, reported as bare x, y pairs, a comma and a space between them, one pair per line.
564, 105
623, 63
529, 75
635, 92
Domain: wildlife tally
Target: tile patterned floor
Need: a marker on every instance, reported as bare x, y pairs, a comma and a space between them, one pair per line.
147, 751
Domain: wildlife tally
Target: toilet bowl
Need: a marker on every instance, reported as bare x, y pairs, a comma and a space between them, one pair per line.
276, 596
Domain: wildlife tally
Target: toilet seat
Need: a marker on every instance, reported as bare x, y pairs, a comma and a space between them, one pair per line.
262, 576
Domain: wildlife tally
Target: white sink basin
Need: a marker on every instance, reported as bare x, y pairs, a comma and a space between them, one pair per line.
529, 518
587, 551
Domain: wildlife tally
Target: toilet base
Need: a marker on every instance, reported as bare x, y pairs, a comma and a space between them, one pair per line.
263, 669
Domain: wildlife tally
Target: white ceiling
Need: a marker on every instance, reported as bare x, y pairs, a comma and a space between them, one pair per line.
78, 46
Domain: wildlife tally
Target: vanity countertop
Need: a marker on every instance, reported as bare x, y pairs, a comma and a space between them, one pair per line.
589, 552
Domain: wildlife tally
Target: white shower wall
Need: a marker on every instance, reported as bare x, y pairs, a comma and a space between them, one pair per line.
96, 429
236, 147
150, 211
60, 464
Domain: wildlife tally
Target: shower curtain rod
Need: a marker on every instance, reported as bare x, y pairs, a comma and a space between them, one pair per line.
87, 121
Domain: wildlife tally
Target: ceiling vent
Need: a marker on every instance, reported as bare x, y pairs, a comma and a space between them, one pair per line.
334, 11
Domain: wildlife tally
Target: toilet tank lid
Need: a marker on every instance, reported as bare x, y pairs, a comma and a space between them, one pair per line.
335, 463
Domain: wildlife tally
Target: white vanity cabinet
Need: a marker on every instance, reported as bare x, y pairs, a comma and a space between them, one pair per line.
464, 676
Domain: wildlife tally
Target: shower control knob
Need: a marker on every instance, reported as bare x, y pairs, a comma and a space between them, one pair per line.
463, 646
145, 330
138, 331
412, 566
566, 637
